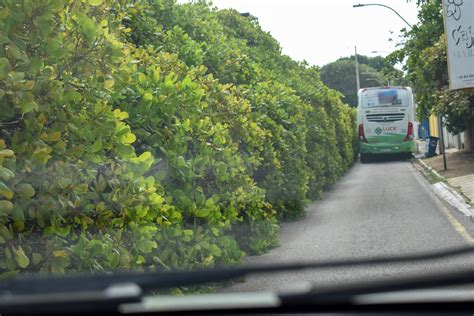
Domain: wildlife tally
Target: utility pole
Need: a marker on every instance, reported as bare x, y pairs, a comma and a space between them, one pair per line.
357, 70
442, 148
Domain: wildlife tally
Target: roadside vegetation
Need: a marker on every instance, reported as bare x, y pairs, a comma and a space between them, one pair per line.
423, 55
149, 135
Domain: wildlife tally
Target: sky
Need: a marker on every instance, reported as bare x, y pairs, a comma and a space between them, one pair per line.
321, 31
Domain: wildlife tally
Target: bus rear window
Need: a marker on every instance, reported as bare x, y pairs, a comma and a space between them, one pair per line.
384, 98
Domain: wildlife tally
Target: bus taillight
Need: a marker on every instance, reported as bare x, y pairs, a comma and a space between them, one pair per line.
410, 134
362, 133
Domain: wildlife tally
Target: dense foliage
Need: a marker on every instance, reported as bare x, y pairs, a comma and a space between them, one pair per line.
150, 135
424, 57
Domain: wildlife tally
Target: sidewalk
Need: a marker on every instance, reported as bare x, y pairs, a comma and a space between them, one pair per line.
460, 172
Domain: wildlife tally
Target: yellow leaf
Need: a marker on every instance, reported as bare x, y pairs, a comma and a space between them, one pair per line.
103, 23
148, 96
53, 137
41, 119
95, 2
141, 77
128, 138
29, 85
6, 153
145, 156
156, 75
119, 115
4, 13
60, 253
109, 83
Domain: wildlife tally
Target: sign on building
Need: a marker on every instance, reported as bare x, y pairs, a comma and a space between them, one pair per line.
459, 28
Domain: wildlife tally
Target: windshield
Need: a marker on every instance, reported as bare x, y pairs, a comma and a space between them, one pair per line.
167, 135
385, 98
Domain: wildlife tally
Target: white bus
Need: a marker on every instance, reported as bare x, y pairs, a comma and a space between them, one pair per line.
386, 121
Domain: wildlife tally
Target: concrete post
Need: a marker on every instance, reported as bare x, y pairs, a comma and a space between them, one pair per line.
469, 138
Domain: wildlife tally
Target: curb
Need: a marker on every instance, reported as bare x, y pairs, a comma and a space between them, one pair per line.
447, 193
433, 171
453, 198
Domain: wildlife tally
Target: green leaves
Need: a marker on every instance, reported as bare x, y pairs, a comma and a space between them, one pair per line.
20, 257
6, 174
5, 191
96, 146
5, 207
89, 27
27, 103
25, 190
54, 48
5, 68
37, 258
145, 246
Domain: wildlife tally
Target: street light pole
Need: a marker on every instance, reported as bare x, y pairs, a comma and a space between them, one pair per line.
442, 147
357, 70
382, 5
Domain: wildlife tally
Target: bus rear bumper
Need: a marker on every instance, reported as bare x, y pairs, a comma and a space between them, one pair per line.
383, 148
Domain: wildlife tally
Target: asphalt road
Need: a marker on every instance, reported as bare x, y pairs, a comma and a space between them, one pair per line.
380, 208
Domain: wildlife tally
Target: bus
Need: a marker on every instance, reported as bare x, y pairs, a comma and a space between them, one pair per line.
386, 121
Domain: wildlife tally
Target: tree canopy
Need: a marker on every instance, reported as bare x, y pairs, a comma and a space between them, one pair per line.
373, 71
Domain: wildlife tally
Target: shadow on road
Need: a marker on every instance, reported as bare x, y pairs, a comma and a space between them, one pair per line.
387, 158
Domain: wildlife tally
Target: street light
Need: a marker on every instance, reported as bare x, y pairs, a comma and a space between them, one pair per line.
381, 5
248, 15
378, 80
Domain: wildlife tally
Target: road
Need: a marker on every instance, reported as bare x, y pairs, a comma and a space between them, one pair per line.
381, 208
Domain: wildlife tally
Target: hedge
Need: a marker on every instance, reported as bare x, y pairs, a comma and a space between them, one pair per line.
149, 135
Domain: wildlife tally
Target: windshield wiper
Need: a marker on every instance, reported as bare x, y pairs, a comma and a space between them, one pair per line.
125, 287
173, 279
